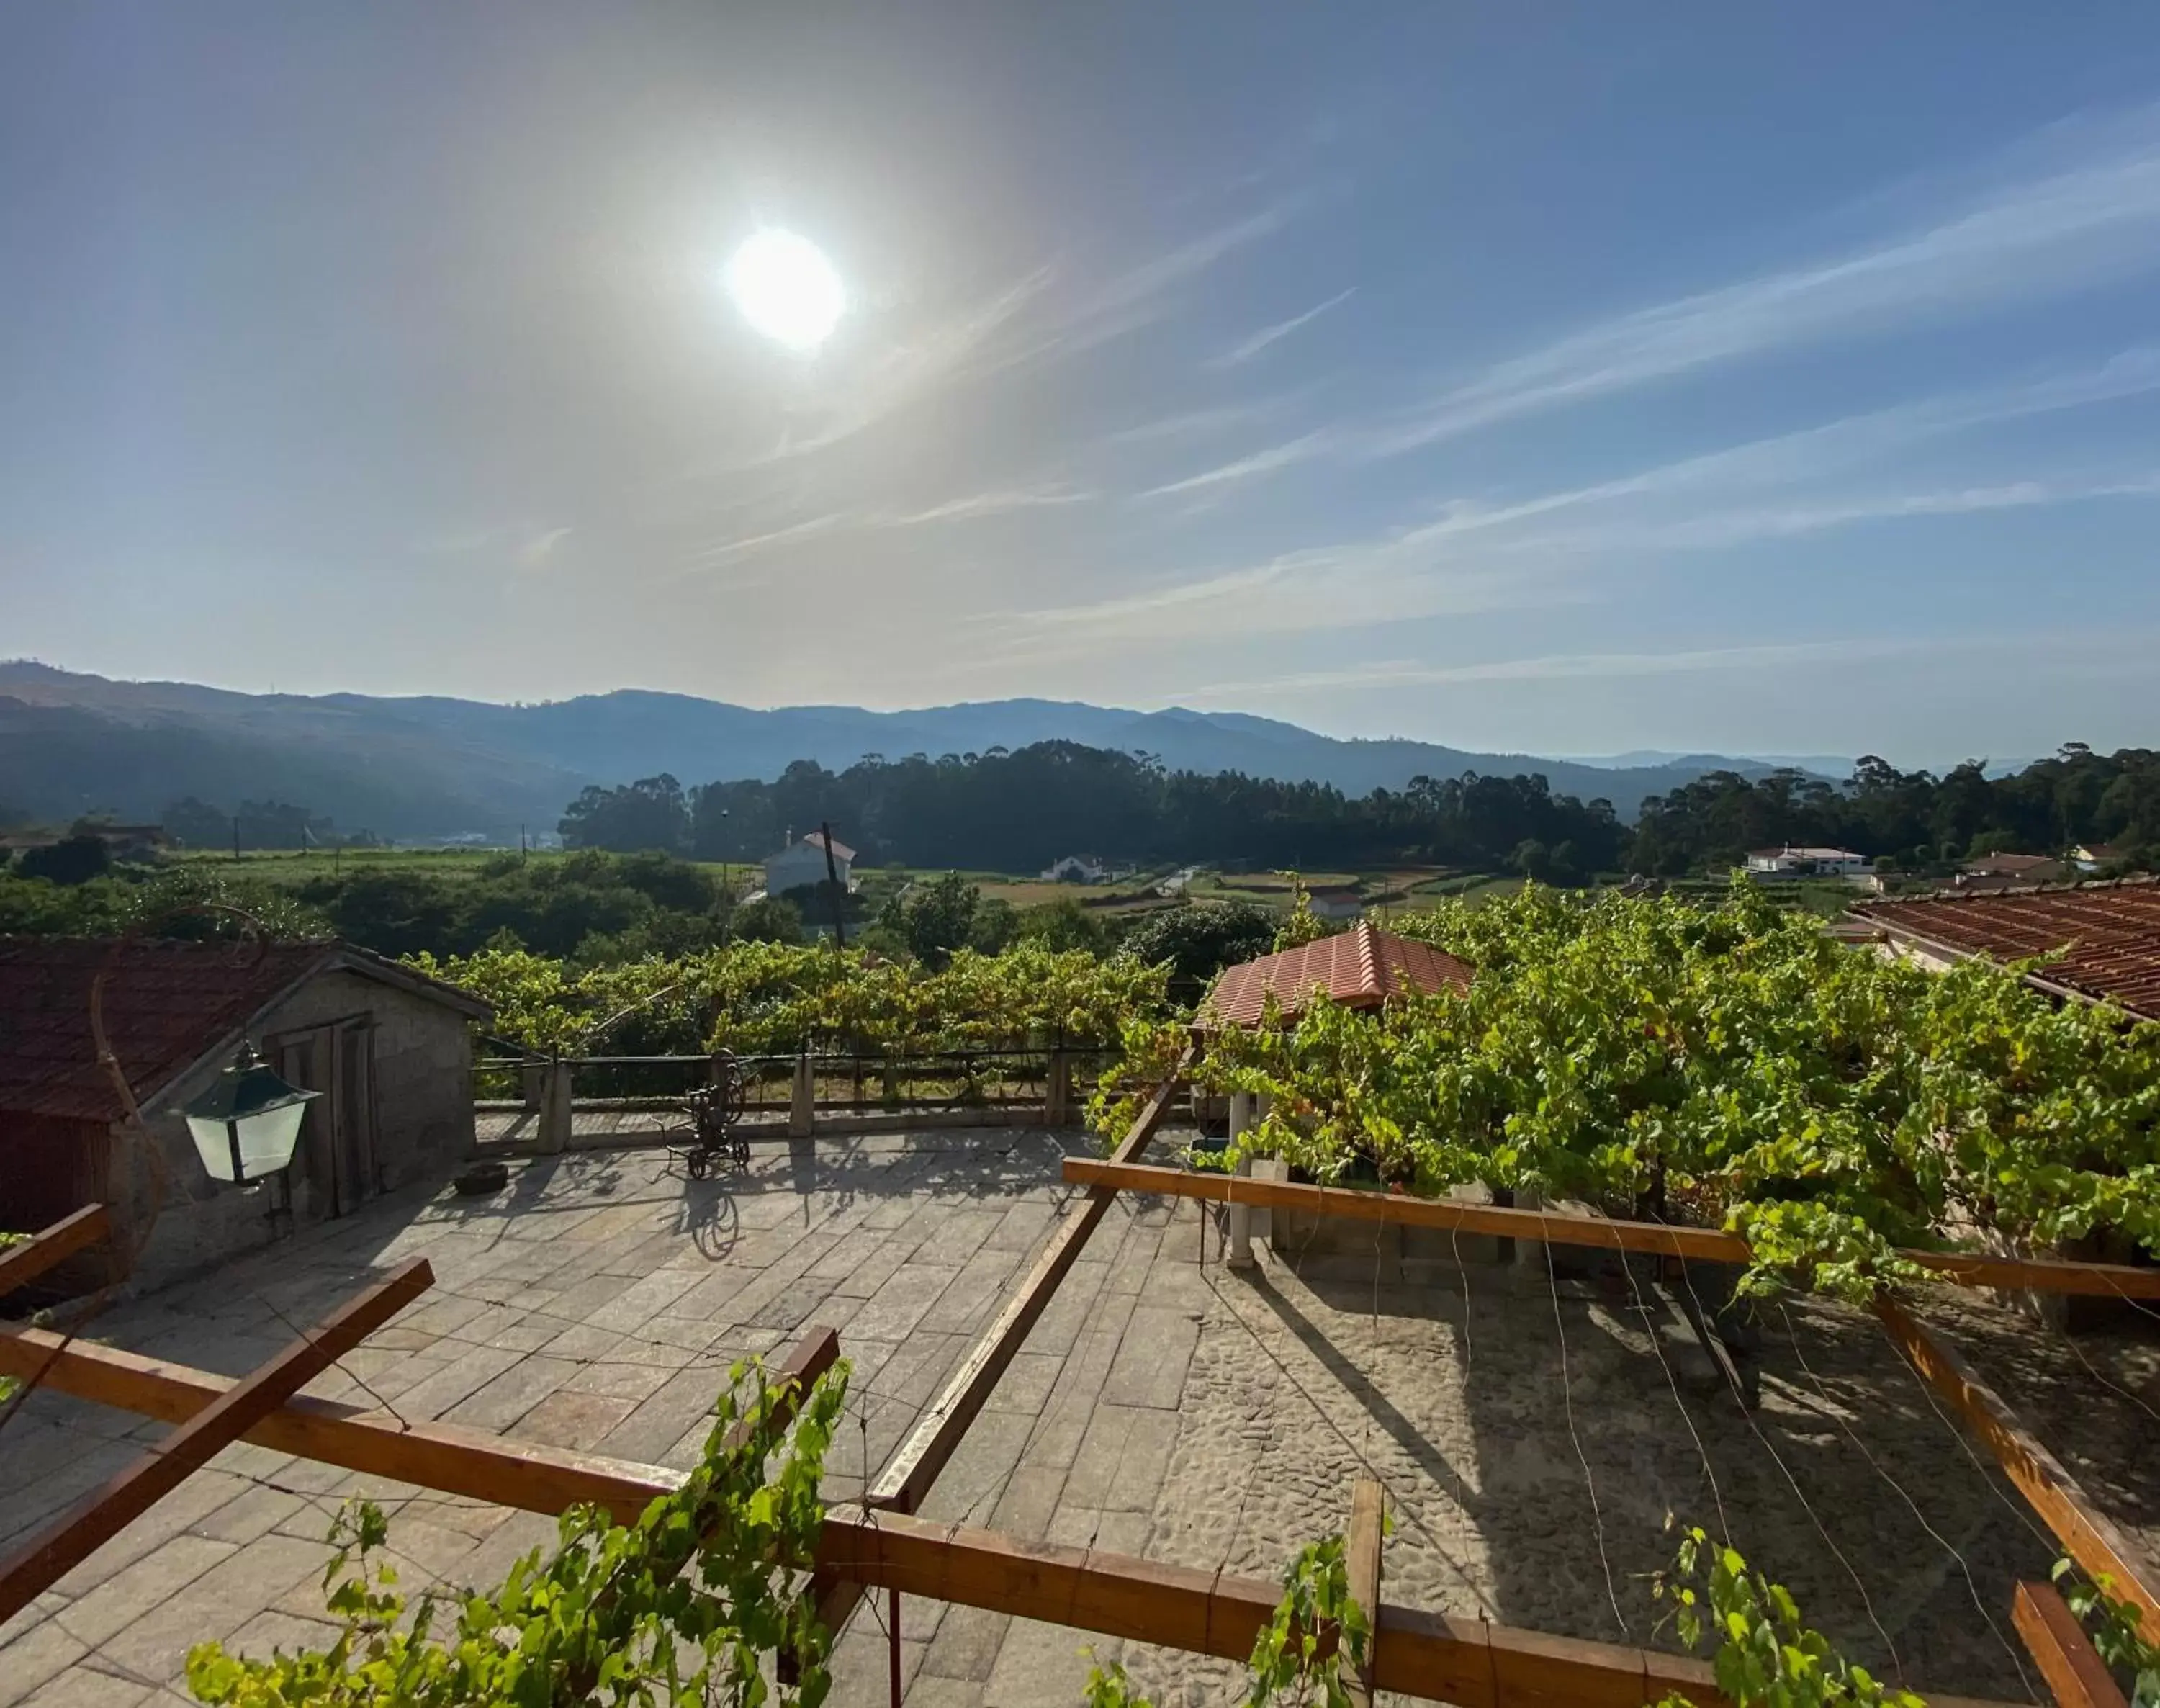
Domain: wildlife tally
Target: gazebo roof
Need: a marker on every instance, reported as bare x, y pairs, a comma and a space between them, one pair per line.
1361, 967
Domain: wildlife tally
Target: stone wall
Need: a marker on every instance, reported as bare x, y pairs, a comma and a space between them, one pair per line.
423, 1127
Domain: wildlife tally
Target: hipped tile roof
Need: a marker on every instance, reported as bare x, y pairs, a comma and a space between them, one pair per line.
166, 1005
2110, 930
1360, 967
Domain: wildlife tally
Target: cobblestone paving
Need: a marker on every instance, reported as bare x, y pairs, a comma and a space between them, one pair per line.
1165, 1405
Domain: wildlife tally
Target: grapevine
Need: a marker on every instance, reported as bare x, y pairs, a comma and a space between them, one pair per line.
756, 998
1729, 1065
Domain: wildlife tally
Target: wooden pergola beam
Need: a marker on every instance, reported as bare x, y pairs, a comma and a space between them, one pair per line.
1415, 1653
1559, 1228
522, 1475
2075, 1672
906, 1479
2087, 1535
21, 1265
1462, 1661
1361, 1551
66, 1540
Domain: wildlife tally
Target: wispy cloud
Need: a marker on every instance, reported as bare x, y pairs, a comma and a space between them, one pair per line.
2062, 229
1773, 655
537, 550
1141, 295
1281, 456
2090, 213
525, 546
858, 395
1281, 330
1813, 453
720, 552
969, 508
982, 504
1197, 424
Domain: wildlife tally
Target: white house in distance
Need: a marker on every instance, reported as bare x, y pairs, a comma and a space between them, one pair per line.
1336, 901
2091, 856
803, 862
1087, 868
1790, 862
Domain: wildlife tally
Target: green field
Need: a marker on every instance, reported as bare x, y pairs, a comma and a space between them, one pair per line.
1383, 890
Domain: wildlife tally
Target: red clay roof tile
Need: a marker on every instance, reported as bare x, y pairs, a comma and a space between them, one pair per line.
2110, 930
167, 1005
1361, 967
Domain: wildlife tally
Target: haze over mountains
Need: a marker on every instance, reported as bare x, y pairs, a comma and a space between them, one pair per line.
427, 767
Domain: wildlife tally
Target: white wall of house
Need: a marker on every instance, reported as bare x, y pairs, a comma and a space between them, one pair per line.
802, 863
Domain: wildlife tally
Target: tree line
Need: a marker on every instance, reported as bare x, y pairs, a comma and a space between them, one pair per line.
1018, 811
1912, 820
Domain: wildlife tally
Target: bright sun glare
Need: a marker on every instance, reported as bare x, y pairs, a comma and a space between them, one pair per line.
786, 289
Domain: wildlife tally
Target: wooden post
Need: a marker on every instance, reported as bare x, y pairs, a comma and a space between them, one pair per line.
839, 896
1368, 1524
892, 1643
65, 1541
1057, 1091
2087, 1536
802, 1099
2061, 1649
21, 1265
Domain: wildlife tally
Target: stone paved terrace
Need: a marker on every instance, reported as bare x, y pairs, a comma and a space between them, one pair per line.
1164, 1406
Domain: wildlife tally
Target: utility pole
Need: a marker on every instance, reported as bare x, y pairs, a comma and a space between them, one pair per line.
235, 836
839, 900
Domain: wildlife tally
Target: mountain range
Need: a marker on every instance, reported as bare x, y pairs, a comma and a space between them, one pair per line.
429, 768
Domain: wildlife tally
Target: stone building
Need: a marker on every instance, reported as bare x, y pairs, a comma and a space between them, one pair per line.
389, 1049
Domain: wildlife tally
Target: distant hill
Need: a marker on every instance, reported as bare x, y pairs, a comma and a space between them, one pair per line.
1821, 764
426, 766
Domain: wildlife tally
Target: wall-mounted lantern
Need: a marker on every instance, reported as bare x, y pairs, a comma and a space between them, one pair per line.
246, 1125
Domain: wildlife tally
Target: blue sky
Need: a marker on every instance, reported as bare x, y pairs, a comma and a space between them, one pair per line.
1549, 378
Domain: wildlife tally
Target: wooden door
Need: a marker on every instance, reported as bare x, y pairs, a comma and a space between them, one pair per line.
355, 1111
337, 1151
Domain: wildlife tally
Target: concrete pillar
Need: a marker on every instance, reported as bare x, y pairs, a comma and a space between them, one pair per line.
1057, 1091
1242, 1118
1530, 1253
802, 1104
555, 1108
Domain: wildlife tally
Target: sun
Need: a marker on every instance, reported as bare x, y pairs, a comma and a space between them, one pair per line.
786, 289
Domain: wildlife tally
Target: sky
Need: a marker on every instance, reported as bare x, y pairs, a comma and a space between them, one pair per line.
1523, 376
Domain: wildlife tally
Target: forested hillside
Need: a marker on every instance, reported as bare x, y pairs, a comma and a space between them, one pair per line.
431, 767
1915, 818
1017, 811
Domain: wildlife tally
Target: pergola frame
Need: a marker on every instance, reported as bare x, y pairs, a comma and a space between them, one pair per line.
882, 1543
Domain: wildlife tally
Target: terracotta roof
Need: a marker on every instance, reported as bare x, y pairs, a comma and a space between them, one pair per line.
166, 1005
2110, 929
1360, 967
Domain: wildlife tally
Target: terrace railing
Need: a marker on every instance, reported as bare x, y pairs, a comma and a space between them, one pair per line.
1049, 1084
